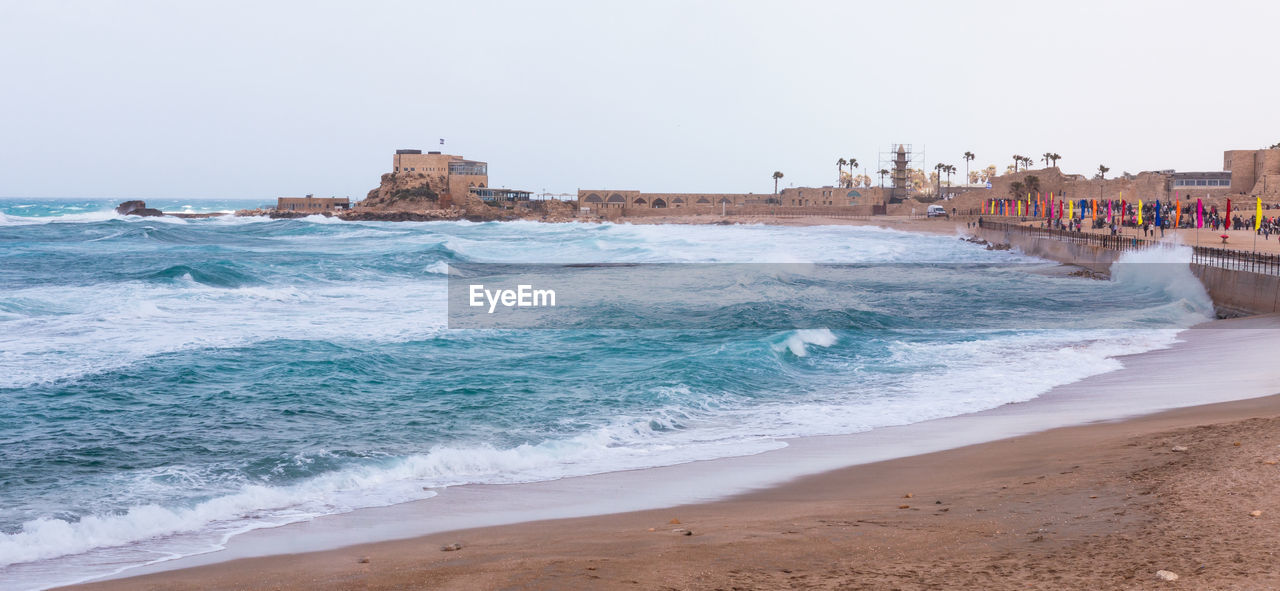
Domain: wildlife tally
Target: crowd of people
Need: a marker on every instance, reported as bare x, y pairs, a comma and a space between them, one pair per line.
1151, 218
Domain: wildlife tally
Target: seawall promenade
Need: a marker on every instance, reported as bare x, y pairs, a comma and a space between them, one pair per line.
1240, 282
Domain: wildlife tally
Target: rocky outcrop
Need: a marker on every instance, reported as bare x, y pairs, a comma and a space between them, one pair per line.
369, 215
406, 192
137, 208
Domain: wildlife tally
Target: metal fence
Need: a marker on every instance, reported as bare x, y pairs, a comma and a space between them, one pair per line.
1238, 260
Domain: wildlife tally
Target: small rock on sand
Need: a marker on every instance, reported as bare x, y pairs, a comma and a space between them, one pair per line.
904, 506
1179, 448
1165, 575
907, 496
451, 547
681, 531
1255, 513
363, 560
674, 521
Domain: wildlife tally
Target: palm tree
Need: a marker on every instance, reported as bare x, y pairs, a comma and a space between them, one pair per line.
1031, 183
776, 175
883, 173
1054, 157
1102, 172
968, 157
1017, 159
950, 170
1016, 189
940, 168
840, 167
1047, 157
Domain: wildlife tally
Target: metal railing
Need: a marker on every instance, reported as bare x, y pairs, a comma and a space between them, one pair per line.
1236, 260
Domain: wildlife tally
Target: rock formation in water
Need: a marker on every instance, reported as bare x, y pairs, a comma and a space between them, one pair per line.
137, 208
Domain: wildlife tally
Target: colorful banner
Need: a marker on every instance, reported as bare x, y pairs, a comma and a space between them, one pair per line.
1199, 214
1257, 218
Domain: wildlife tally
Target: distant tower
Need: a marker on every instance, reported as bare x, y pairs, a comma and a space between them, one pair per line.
900, 161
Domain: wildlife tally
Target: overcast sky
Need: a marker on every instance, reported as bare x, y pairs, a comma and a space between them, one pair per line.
261, 99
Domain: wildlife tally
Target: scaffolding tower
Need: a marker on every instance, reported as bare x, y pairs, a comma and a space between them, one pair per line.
899, 161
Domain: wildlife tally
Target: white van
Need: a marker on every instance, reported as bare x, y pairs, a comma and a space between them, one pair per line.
936, 211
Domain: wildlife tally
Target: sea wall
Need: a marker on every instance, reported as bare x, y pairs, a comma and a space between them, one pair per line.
1234, 292
1089, 256
1240, 293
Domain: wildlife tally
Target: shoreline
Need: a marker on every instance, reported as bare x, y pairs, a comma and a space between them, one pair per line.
1094, 504
1080, 402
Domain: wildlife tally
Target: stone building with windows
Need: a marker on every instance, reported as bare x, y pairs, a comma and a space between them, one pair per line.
446, 173
1253, 172
312, 204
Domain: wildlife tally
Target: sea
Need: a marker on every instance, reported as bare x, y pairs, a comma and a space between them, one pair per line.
168, 384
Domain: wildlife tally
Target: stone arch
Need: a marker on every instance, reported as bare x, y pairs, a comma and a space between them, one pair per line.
593, 198
659, 203
704, 201
639, 201
725, 200
616, 198
678, 201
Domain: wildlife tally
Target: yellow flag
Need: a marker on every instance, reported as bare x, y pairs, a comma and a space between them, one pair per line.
1071, 210
1257, 219
1139, 212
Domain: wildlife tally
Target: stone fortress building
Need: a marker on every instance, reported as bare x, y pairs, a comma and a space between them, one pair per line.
450, 174
451, 178
1253, 172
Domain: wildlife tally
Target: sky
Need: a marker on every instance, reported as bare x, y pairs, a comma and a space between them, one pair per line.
254, 100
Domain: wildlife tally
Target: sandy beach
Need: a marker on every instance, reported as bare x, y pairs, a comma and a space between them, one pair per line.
1190, 491
1104, 505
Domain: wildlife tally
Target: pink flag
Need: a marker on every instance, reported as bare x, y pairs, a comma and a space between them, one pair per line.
1199, 214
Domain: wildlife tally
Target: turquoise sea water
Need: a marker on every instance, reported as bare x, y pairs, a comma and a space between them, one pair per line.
167, 383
